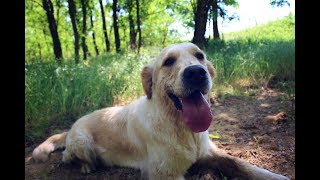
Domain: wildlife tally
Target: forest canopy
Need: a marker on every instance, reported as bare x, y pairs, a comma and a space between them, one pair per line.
78, 29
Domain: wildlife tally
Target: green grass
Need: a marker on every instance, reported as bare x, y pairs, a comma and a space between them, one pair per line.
56, 96
249, 58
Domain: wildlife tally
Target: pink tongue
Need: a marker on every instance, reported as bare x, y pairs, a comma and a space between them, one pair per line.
196, 112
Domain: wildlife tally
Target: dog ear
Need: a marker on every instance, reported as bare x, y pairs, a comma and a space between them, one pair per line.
146, 77
211, 69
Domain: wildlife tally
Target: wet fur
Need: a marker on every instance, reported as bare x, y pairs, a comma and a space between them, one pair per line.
150, 133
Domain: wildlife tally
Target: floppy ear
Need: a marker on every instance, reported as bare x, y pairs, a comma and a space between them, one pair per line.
146, 77
211, 69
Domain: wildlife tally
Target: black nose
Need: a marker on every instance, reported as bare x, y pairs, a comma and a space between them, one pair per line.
195, 75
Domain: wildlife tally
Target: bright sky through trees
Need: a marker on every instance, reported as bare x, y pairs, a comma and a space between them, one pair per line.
254, 12
250, 13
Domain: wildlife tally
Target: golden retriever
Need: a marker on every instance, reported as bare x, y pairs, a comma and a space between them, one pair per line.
162, 133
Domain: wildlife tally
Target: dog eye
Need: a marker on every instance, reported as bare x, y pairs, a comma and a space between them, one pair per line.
199, 56
169, 61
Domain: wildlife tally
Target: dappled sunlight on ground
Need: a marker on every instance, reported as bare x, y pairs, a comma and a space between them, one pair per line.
260, 130
225, 116
265, 105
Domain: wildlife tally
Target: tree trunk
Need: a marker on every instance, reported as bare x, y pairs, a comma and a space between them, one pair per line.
84, 29
48, 7
200, 23
104, 27
39, 47
124, 29
93, 35
133, 32
115, 26
165, 34
216, 34
72, 12
59, 5
85, 50
139, 24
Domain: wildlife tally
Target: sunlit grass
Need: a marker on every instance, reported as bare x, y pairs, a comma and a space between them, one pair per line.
251, 58
57, 96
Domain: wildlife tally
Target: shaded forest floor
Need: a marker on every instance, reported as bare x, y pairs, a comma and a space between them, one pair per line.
259, 129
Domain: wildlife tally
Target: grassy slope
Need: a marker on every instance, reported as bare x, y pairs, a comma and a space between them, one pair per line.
56, 96
251, 57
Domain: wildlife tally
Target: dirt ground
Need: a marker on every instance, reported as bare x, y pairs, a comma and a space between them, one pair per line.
259, 129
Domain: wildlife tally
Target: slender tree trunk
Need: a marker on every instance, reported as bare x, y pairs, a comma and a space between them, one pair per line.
216, 34
133, 32
48, 7
39, 47
200, 23
110, 28
93, 35
104, 27
165, 37
124, 29
115, 25
84, 29
59, 5
139, 25
72, 12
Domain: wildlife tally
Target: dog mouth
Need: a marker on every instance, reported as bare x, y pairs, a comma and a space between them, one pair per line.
195, 109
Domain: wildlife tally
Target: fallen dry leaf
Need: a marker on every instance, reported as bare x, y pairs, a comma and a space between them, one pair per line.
276, 118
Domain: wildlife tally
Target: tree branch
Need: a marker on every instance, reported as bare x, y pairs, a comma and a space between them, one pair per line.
38, 3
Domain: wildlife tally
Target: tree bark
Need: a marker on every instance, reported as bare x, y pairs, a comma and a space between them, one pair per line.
216, 34
200, 22
93, 35
48, 7
115, 26
133, 32
59, 5
39, 47
104, 27
138, 24
72, 12
165, 34
84, 29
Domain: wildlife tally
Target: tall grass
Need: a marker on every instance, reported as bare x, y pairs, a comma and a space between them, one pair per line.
56, 96
252, 57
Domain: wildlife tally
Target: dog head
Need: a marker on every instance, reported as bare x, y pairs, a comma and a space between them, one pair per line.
181, 78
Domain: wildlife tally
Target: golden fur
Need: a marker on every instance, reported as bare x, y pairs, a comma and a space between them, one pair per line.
149, 133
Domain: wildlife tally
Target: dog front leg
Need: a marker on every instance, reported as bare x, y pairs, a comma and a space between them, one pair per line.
236, 168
